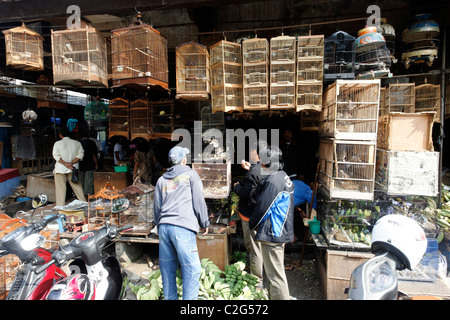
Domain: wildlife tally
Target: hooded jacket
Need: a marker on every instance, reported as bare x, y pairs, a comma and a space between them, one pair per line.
246, 188
273, 216
179, 199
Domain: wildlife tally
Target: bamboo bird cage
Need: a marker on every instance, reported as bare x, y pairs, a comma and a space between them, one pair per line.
139, 119
79, 57
119, 114
139, 56
24, 49
226, 77
192, 72
400, 97
428, 98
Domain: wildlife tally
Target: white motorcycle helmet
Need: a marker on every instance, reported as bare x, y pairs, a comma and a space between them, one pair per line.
402, 236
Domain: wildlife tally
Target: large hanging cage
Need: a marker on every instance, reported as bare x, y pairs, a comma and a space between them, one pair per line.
119, 114
24, 49
226, 77
139, 56
79, 57
339, 57
192, 72
310, 55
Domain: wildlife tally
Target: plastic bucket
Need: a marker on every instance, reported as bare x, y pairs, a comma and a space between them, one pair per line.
314, 226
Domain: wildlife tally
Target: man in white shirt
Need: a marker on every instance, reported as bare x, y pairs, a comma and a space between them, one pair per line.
119, 150
67, 153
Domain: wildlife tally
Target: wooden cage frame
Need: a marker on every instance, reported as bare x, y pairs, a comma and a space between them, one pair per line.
400, 97
428, 98
119, 117
140, 119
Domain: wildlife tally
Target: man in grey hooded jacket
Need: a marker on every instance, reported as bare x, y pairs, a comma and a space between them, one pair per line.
179, 211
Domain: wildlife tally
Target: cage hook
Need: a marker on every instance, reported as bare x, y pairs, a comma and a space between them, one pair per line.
224, 37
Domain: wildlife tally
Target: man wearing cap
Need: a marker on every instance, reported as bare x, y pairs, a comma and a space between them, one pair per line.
179, 210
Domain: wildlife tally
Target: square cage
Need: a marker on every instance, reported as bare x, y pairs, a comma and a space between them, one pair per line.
139, 56
350, 110
216, 178
428, 98
119, 113
192, 71
79, 57
226, 77
161, 119
347, 168
24, 49
140, 211
400, 97
140, 119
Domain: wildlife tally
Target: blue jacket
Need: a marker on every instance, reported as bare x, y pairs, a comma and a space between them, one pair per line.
273, 216
303, 194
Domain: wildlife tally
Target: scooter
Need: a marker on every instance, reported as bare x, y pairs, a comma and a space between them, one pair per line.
398, 242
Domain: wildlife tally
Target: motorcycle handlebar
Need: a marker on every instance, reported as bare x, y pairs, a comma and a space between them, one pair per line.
44, 266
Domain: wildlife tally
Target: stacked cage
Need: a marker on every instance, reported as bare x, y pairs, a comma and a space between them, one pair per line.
428, 98
24, 49
161, 119
282, 72
339, 57
192, 72
119, 113
399, 97
226, 77
139, 119
255, 63
79, 57
348, 132
310, 52
139, 56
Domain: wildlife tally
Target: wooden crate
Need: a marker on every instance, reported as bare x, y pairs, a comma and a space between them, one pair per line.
347, 168
428, 98
79, 57
139, 56
226, 77
192, 71
414, 173
350, 110
214, 247
400, 97
24, 49
335, 269
119, 117
406, 131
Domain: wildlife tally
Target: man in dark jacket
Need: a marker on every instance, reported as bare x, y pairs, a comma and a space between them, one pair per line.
89, 164
272, 219
179, 210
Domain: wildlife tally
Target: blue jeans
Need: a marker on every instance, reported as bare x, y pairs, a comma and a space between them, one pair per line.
178, 245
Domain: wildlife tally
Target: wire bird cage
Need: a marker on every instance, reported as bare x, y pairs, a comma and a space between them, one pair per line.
428, 98
282, 72
388, 32
49, 97
339, 57
161, 123
119, 113
96, 112
192, 71
350, 110
101, 207
255, 55
139, 56
347, 168
310, 55
79, 57
372, 57
226, 77
399, 97
216, 178
140, 119
24, 49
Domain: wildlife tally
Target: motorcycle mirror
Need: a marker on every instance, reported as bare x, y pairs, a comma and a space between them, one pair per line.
33, 241
120, 204
39, 200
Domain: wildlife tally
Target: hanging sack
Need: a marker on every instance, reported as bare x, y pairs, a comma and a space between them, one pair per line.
75, 175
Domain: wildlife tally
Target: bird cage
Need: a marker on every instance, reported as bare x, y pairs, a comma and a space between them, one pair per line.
192, 71
48, 97
310, 53
255, 63
119, 114
24, 49
100, 207
79, 57
140, 119
347, 168
309, 120
140, 211
400, 97
382, 100
161, 121
139, 56
216, 178
226, 77
350, 110
428, 98
388, 32
372, 57
339, 56
282, 72
96, 112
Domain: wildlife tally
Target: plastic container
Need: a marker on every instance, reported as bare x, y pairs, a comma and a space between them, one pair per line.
314, 226
121, 168
22, 199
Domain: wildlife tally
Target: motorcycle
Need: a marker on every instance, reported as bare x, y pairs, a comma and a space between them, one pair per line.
95, 275
398, 243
